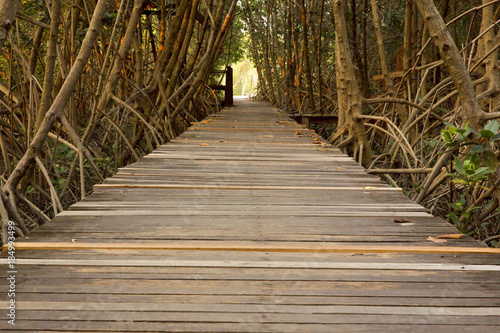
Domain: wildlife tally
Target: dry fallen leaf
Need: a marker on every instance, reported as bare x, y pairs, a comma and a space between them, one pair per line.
74, 240
268, 136
316, 143
436, 240
204, 145
400, 220
450, 236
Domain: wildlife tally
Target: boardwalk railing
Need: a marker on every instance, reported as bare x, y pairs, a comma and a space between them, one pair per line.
228, 87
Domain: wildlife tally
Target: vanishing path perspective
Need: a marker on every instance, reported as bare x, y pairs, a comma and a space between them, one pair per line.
248, 222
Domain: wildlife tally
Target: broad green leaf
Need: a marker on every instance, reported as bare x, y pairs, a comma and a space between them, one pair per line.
490, 160
492, 126
476, 149
482, 172
446, 135
474, 131
455, 219
468, 132
458, 165
456, 206
487, 134
475, 159
449, 125
469, 165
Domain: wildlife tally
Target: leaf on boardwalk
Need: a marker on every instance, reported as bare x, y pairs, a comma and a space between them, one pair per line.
450, 236
400, 220
436, 240
204, 145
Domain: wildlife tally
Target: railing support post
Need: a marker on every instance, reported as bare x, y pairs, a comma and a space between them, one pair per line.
228, 92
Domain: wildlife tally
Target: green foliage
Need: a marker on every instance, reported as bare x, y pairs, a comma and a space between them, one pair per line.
461, 210
235, 46
474, 168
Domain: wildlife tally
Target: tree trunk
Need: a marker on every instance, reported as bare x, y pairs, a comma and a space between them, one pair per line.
307, 63
62, 98
48, 81
471, 111
348, 87
8, 10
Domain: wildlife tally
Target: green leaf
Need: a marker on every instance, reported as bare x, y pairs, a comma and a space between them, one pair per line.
492, 126
456, 206
476, 149
459, 166
449, 125
446, 135
490, 160
496, 137
454, 218
476, 160
468, 132
474, 131
487, 134
481, 172
469, 165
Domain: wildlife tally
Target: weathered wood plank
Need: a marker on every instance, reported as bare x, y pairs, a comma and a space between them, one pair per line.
248, 222
256, 264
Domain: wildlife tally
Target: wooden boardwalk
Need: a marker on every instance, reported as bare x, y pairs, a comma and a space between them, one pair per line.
248, 223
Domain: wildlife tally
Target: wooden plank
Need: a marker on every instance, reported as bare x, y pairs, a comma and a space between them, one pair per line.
255, 317
247, 222
249, 187
250, 308
43, 326
257, 264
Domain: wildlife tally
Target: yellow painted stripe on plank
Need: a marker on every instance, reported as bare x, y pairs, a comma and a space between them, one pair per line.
317, 248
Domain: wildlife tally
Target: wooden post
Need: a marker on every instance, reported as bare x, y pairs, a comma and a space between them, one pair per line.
228, 92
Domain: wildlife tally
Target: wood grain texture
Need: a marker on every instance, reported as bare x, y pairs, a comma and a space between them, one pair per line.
249, 222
